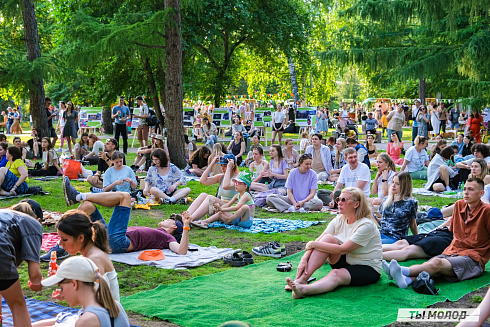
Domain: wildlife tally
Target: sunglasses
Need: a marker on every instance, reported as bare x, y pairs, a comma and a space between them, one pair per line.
344, 200
306, 155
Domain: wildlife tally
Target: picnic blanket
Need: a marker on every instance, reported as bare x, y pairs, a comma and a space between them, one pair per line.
269, 226
49, 240
190, 177
38, 310
46, 178
423, 191
255, 294
6, 197
176, 261
326, 209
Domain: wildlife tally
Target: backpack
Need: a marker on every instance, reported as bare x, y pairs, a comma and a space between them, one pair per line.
260, 199
424, 284
152, 119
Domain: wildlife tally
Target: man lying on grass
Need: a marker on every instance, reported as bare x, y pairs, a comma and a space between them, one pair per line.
168, 235
468, 252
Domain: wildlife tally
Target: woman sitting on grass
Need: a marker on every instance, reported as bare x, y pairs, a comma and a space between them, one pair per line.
479, 169
301, 186
244, 208
257, 166
80, 235
13, 177
80, 284
219, 150
95, 145
277, 171
199, 161
119, 178
398, 210
226, 191
290, 155
417, 159
371, 148
50, 161
18, 143
441, 177
82, 147
382, 181
143, 154
339, 161
237, 146
163, 179
351, 244
394, 149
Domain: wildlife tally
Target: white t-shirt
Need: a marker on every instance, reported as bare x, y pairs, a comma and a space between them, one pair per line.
52, 155
349, 177
363, 232
61, 119
381, 196
486, 195
278, 117
416, 159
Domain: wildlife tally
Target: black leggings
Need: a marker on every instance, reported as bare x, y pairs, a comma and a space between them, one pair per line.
360, 275
122, 129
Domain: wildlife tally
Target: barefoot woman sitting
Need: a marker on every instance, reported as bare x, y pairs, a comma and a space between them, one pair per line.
351, 244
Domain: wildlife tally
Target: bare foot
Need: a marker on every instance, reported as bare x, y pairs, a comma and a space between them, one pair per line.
296, 288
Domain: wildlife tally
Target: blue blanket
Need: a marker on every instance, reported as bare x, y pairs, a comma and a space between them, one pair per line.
38, 310
269, 226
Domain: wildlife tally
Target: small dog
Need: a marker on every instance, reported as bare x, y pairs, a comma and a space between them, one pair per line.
449, 135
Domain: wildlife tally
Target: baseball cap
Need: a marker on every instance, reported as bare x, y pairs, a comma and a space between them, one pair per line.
35, 206
224, 159
434, 213
77, 268
245, 177
417, 100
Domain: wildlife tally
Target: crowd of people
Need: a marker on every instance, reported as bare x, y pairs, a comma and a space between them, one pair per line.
369, 236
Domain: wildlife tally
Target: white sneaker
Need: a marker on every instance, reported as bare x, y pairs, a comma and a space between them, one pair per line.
448, 188
302, 210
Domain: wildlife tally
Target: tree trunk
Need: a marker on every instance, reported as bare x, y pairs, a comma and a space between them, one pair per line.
161, 79
153, 88
294, 81
173, 85
107, 120
33, 51
422, 90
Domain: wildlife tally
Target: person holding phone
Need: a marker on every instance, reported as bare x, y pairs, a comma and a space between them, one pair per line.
121, 114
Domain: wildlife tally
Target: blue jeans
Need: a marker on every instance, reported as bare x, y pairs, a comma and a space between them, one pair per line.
212, 139
116, 230
387, 239
454, 125
415, 131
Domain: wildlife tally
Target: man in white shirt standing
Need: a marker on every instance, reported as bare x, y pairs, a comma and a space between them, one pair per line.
143, 128
355, 174
415, 112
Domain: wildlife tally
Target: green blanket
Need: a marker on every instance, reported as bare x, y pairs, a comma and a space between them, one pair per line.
256, 294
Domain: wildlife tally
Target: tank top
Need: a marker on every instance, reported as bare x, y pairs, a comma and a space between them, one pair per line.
226, 195
259, 168
105, 319
236, 147
111, 279
250, 202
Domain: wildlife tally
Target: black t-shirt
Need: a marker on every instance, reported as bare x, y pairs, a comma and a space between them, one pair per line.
195, 161
102, 166
50, 119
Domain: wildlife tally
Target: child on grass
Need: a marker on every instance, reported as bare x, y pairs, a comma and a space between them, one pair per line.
305, 142
244, 208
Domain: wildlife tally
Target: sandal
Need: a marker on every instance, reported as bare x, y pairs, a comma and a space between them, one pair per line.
284, 266
247, 257
227, 258
198, 225
237, 260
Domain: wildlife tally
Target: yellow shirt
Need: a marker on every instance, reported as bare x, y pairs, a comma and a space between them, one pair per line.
384, 121
13, 167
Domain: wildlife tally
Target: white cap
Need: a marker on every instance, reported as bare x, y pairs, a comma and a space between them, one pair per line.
76, 268
417, 100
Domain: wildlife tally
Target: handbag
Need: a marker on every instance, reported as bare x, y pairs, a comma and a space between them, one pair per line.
429, 126
484, 138
424, 284
71, 168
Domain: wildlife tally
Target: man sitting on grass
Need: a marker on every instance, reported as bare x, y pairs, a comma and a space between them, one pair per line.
469, 251
168, 235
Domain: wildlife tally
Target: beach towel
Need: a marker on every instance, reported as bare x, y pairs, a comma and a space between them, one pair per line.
38, 310
325, 209
6, 197
195, 257
49, 240
269, 226
46, 178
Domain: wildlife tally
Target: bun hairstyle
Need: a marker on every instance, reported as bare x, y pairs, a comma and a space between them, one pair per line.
77, 222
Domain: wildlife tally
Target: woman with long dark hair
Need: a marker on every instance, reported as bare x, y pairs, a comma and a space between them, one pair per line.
237, 147
50, 161
71, 121
199, 161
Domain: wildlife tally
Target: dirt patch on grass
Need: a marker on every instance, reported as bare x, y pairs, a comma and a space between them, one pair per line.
139, 320
238, 240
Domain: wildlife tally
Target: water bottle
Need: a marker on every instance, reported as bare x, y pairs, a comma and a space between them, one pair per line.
460, 190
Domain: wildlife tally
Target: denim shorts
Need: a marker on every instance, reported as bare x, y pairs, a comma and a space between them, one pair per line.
9, 182
245, 224
118, 225
387, 239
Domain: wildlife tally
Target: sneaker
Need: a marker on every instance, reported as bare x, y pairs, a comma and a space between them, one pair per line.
276, 245
267, 250
181, 201
70, 192
60, 253
164, 201
59, 150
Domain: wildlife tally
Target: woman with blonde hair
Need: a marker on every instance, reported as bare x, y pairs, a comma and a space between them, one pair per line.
352, 245
382, 181
216, 152
339, 161
81, 284
479, 169
398, 210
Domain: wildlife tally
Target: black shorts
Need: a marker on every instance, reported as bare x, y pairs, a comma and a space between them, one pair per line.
6, 283
279, 127
433, 243
360, 275
453, 182
52, 132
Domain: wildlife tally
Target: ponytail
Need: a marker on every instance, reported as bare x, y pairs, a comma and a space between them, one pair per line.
103, 296
100, 237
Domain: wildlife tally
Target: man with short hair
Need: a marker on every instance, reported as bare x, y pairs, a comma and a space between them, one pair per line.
354, 174
469, 251
121, 115
454, 117
361, 151
459, 143
143, 127
321, 156
104, 163
51, 131
10, 118
415, 112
